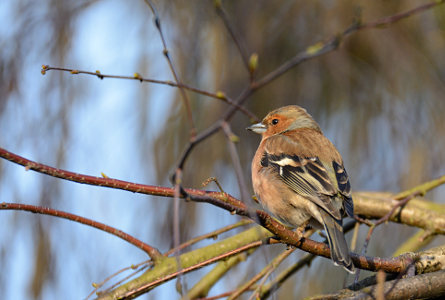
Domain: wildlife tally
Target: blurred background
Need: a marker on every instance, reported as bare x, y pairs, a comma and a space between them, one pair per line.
379, 98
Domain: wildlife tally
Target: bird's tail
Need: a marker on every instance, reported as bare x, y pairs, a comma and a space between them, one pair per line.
337, 243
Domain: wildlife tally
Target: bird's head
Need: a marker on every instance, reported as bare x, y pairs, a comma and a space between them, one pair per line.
284, 119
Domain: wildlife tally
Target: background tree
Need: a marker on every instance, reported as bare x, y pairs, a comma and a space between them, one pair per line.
378, 96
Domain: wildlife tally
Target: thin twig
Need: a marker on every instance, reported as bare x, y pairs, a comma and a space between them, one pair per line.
397, 17
218, 95
186, 270
233, 34
119, 282
209, 235
97, 286
165, 51
151, 251
264, 272
231, 138
383, 219
286, 274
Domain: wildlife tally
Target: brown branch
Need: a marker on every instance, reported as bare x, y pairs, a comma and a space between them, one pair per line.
151, 251
218, 95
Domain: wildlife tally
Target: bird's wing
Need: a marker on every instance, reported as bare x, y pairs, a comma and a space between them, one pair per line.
307, 175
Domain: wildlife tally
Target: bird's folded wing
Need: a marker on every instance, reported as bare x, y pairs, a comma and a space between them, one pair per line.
306, 175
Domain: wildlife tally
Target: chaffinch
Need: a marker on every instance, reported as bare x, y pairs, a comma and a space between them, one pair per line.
299, 177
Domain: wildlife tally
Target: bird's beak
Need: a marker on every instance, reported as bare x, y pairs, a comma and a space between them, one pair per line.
259, 128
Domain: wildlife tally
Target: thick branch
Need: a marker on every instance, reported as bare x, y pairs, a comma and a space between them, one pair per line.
376, 205
425, 286
190, 261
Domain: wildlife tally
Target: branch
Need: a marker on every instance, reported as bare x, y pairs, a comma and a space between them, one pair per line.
211, 235
218, 95
151, 251
425, 286
377, 205
393, 265
190, 261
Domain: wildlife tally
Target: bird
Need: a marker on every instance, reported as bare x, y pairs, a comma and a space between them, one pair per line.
299, 177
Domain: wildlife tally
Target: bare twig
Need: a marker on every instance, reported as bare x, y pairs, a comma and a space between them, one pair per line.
233, 34
397, 17
209, 235
231, 139
151, 251
383, 219
283, 276
166, 53
138, 267
119, 282
266, 270
218, 95
215, 180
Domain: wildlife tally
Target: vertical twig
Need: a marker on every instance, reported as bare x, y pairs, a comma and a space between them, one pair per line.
231, 139
233, 34
165, 51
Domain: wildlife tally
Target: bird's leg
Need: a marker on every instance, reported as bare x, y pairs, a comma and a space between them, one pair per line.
302, 228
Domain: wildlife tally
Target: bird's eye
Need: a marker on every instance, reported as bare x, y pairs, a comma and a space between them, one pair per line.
275, 121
